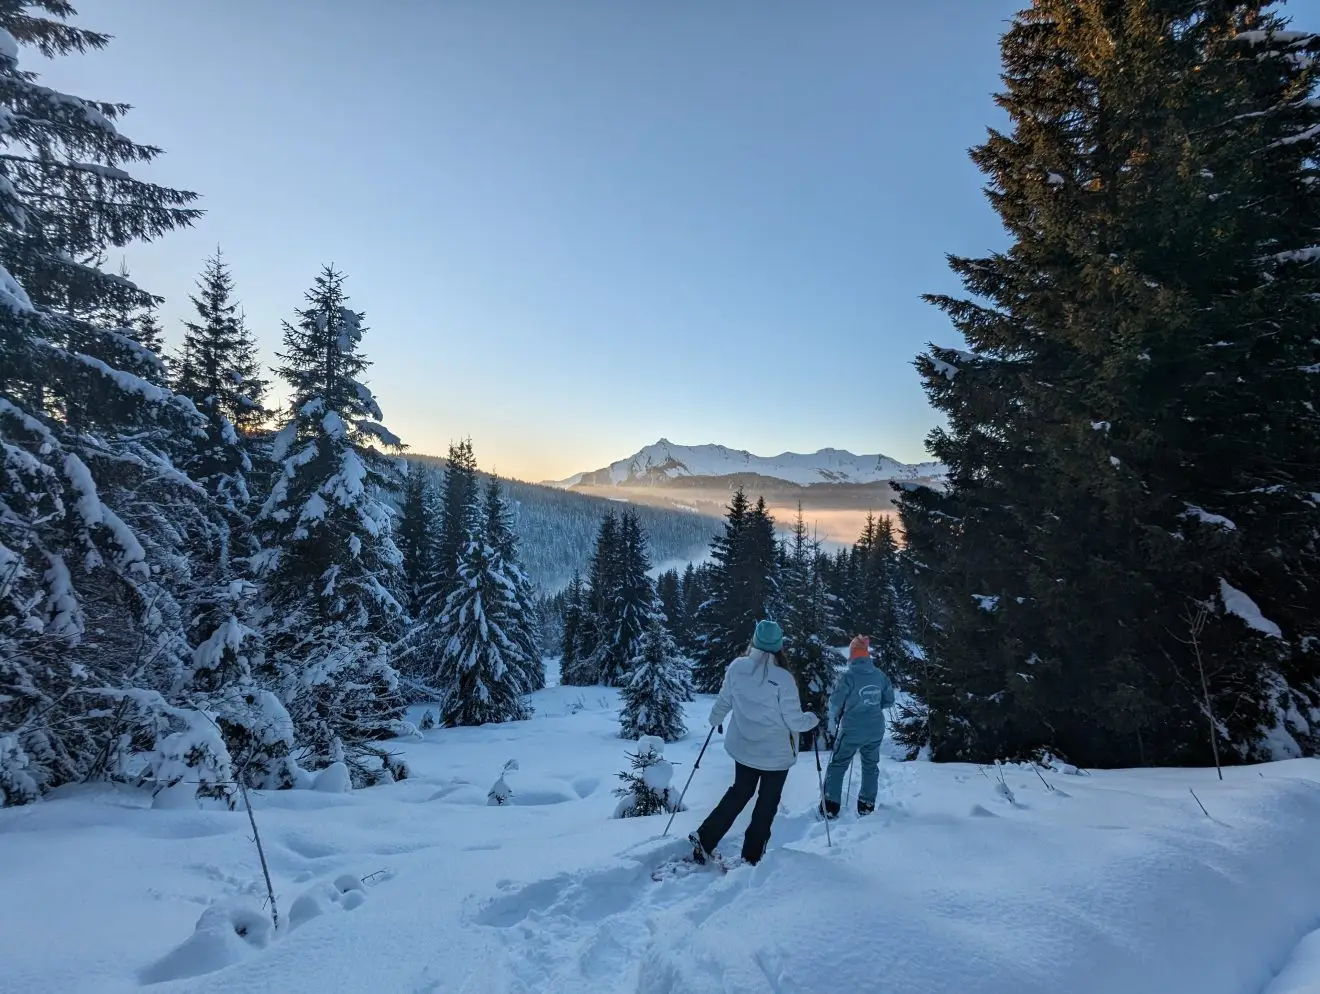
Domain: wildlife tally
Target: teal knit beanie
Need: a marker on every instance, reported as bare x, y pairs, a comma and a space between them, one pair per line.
769, 637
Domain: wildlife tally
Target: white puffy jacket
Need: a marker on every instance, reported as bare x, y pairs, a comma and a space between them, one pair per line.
767, 713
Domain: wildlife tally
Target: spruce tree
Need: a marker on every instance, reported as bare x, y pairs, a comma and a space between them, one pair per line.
460, 510
695, 589
657, 686
419, 519
877, 608
598, 603
250, 411
629, 602
569, 661
1131, 439
669, 595
330, 561
646, 788
93, 511
208, 364
478, 659
523, 624
742, 588
811, 626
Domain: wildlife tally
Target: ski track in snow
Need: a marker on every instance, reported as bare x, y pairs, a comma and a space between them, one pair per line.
1112, 883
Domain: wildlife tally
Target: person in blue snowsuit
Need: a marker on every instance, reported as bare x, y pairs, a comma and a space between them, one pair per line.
857, 718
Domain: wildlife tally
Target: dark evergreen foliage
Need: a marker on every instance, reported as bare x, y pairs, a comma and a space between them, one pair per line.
460, 515
570, 663
418, 539
669, 597
810, 621
1132, 437
215, 368
743, 589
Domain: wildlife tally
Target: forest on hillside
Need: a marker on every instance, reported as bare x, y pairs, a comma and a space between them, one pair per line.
556, 528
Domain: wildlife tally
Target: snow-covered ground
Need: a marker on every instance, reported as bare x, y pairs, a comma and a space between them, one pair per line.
1110, 882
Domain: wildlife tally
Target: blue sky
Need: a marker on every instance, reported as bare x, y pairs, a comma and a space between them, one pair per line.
578, 226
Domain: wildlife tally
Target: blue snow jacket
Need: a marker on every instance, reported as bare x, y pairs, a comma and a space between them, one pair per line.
859, 699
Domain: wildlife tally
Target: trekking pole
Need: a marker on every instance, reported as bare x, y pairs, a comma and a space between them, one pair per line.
847, 794
820, 778
695, 766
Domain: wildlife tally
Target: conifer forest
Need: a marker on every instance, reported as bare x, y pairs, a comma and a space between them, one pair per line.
310, 682
1122, 565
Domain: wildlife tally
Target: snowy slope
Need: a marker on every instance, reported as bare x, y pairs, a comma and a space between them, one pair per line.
1113, 882
666, 461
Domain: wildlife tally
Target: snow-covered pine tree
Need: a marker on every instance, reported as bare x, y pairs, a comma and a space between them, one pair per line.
93, 512
811, 626
523, 624
329, 558
460, 517
1133, 433
477, 660
418, 532
659, 682
646, 786
220, 681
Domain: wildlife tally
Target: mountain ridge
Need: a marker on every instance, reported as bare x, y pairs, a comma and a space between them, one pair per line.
665, 461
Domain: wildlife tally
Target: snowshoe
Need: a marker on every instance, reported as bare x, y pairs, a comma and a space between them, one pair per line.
685, 866
829, 809
864, 808
699, 853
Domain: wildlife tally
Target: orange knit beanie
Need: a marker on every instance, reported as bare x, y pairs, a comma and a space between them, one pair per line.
860, 648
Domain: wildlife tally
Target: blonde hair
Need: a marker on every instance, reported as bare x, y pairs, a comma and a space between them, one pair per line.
763, 658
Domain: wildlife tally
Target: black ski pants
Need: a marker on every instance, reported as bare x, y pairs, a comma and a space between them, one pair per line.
746, 782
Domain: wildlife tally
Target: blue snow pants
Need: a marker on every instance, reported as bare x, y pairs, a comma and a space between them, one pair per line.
844, 750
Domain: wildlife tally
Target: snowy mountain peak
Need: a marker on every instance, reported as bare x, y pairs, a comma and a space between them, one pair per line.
664, 461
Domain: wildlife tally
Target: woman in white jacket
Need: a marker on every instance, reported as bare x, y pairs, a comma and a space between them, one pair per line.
766, 719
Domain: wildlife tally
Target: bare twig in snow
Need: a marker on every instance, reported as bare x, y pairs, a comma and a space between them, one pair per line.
261, 852
1196, 616
1048, 785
